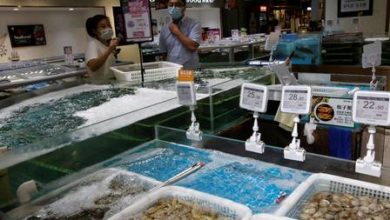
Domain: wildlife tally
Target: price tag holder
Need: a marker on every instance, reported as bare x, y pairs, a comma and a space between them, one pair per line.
371, 108
254, 97
284, 75
296, 99
186, 93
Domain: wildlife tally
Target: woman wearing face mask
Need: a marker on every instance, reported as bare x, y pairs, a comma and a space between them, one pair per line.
180, 39
101, 48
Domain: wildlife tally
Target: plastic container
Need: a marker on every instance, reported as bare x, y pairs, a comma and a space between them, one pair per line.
269, 217
83, 193
221, 206
154, 71
294, 203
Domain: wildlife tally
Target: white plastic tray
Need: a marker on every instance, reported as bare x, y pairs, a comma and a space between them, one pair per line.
269, 217
222, 206
77, 196
294, 203
154, 71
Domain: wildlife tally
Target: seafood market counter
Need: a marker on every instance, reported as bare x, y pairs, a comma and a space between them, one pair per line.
21, 73
123, 186
58, 133
34, 126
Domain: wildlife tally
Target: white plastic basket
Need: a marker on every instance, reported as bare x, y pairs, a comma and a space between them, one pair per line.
294, 203
269, 217
154, 71
77, 196
221, 206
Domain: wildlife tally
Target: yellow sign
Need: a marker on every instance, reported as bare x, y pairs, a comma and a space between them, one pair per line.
186, 75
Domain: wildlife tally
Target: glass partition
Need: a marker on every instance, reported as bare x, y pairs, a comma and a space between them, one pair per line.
100, 138
146, 159
314, 163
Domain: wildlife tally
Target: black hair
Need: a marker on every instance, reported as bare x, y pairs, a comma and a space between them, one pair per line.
91, 24
184, 2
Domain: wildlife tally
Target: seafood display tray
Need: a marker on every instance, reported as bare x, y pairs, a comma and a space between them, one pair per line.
249, 182
223, 207
292, 206
101, 194
269, 217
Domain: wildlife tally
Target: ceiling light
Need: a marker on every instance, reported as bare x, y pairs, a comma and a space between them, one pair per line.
15, 9
71, 9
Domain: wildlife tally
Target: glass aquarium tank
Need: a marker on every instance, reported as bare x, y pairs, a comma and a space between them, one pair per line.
80, 126
258, 181
306, 48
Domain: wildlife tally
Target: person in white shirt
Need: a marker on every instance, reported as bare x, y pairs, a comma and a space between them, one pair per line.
100, 54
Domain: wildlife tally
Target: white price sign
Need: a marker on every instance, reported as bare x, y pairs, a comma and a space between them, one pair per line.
371, 108
186, 93
296, 99
254, 97
370, 60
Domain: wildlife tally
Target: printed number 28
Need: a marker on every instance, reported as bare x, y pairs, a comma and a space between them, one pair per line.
293, 97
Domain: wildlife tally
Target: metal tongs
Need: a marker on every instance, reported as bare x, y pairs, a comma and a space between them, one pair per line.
179, 176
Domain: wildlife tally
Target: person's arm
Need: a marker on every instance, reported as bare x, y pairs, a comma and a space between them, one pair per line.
162, 46
188, 42
95, 63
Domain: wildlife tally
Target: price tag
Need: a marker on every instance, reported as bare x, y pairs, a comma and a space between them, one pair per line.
272, 41
186, 75
186, 93
371, 108
370, 60
296, 99
372, 54
254, 97
375, 48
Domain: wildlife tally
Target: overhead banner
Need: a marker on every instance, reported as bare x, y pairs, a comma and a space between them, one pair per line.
137, 17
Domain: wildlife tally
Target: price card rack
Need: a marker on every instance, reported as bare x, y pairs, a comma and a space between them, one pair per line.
284, 75
186, 93
271, 43
254, 98
371, 58
187, 96
295, 100
372, 108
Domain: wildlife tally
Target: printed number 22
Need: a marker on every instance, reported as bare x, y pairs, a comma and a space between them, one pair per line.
369, 104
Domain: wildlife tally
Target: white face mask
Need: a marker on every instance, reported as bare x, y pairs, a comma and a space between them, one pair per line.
106, 34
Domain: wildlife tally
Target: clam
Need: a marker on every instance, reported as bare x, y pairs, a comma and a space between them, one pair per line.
324, 203
304, 216
375, 207
310, 211
318, 214
335, 206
